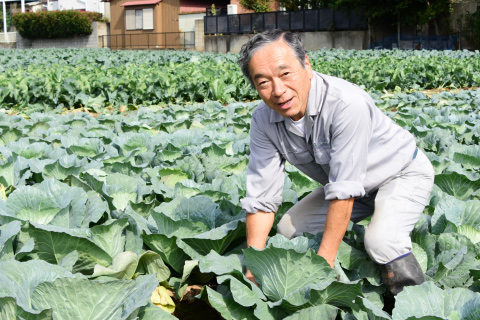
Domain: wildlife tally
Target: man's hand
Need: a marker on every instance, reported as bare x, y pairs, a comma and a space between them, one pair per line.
258, 226
338, 217
250, 277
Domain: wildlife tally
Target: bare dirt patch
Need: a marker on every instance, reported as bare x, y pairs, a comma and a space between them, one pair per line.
431, 92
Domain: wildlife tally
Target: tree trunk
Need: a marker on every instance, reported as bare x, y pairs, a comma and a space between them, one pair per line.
398, 29
435, 24
370, 33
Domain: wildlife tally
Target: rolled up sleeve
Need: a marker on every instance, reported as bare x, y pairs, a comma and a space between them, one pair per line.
265, 173
350, 135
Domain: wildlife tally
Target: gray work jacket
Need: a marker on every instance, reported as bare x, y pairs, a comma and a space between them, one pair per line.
349, 146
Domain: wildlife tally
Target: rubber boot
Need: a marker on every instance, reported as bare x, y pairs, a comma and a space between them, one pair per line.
401, 272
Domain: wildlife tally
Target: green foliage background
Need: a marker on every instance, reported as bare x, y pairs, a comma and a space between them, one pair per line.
54, 24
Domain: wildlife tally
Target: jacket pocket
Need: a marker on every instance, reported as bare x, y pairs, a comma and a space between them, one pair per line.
297, 156
322, 154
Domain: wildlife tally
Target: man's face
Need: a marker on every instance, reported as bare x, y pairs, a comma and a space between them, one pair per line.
280, 80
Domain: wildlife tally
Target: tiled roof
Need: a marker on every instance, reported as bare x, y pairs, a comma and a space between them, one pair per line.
139, 3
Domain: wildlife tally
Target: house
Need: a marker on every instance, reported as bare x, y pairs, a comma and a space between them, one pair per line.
150, 24
83, 5
143, 24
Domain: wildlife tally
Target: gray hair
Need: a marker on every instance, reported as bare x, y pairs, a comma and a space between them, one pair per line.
260, 40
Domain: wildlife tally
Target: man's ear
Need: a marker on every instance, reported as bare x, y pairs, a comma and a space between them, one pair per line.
308, 67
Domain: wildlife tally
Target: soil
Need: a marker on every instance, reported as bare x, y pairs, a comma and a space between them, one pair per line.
195, 310
190, 308
431, 92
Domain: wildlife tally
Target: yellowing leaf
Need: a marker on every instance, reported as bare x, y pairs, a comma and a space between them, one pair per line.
162, 299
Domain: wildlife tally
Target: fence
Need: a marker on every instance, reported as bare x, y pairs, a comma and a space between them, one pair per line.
409, 41
303, 20
160, 40
8, 38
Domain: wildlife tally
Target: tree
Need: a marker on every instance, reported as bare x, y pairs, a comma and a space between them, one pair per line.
469, 26
256, 5
399, 12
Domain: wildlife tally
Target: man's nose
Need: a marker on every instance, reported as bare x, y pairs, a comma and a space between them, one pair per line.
278, 87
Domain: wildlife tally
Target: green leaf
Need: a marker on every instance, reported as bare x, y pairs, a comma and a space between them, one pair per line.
322, 311
152, 312
123, 189
276, 271
241, 293
420, 255
9, 135
470, 232
457, 185
170, 177
196, 213
179, 228
228, 308
187, 271
151, 262
69, 260
301, 184
110, 237
452, 267
456, 211
9, 310
64, 167
458, 302
213, 262
119, 298
218, 239
19, 279
32, 204
236, 168
123, 266
52, 244
11, 174
8, 232
338, 294
167, 248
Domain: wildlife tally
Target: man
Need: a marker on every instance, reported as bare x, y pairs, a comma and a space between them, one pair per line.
332, 131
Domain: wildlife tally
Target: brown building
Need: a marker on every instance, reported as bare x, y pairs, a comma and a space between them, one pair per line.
142, 24
151, 24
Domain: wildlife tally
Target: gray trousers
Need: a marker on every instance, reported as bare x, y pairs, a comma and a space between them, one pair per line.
396, 207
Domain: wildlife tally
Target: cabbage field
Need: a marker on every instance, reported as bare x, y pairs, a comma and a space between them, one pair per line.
121, 174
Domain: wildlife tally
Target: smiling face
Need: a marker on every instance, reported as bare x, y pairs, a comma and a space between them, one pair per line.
280, 80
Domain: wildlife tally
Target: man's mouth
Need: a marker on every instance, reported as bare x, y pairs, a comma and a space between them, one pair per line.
285, 103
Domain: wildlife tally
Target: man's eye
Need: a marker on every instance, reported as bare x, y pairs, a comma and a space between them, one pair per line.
286, 74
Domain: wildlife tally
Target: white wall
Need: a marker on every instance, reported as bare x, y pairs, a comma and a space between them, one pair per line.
53, 5
89, 5
186, 22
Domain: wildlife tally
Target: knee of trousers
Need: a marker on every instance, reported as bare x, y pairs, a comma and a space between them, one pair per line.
285, 227
384, 245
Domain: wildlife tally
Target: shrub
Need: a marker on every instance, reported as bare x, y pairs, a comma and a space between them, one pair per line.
476, 28
55, 24
469, 27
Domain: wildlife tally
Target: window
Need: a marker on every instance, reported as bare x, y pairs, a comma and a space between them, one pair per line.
139, 19
148, 19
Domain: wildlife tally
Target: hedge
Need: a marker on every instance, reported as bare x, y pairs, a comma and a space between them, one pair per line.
55, 24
